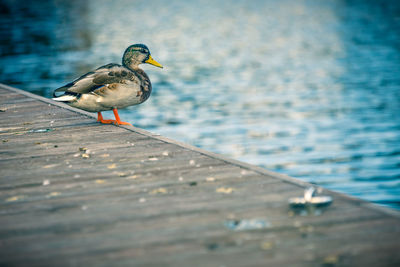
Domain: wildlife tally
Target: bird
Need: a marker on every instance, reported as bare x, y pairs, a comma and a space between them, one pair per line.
112, 86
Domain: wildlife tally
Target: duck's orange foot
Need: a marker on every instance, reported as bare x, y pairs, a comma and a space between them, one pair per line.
101, 120
118, 120
122, 123
107, 121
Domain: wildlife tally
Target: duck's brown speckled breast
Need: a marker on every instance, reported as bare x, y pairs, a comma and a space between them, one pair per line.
145, 84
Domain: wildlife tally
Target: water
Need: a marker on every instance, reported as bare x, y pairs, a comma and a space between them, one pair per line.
306, 88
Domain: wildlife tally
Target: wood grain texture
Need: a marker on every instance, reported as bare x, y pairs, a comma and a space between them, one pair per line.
74, 192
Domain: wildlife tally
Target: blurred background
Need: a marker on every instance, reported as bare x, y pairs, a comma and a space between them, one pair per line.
310, 89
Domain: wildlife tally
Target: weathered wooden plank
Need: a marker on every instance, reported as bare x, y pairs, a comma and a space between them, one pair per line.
194, 202
168, 246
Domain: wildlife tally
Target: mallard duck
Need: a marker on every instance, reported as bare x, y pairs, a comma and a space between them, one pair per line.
111, 86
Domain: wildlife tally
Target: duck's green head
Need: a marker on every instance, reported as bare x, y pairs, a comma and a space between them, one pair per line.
137, 54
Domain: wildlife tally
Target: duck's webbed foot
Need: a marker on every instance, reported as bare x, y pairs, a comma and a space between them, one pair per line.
100, 119
118, 120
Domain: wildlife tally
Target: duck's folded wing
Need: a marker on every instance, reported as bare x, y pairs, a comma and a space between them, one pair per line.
107, 74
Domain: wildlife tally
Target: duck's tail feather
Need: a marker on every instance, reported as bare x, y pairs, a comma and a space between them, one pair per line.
65, 98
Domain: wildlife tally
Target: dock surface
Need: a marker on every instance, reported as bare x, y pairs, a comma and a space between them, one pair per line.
75, 192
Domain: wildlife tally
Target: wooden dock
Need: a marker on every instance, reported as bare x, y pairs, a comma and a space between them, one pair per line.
74, 192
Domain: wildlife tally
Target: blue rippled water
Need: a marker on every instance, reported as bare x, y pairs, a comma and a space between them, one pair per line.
306, 88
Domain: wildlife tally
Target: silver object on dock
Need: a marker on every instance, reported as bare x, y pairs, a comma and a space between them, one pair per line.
310, 199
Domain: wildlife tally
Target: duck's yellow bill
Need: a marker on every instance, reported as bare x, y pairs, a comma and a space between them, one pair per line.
153, 62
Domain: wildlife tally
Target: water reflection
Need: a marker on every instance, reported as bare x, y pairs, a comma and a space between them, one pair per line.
307, 88
40, 39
